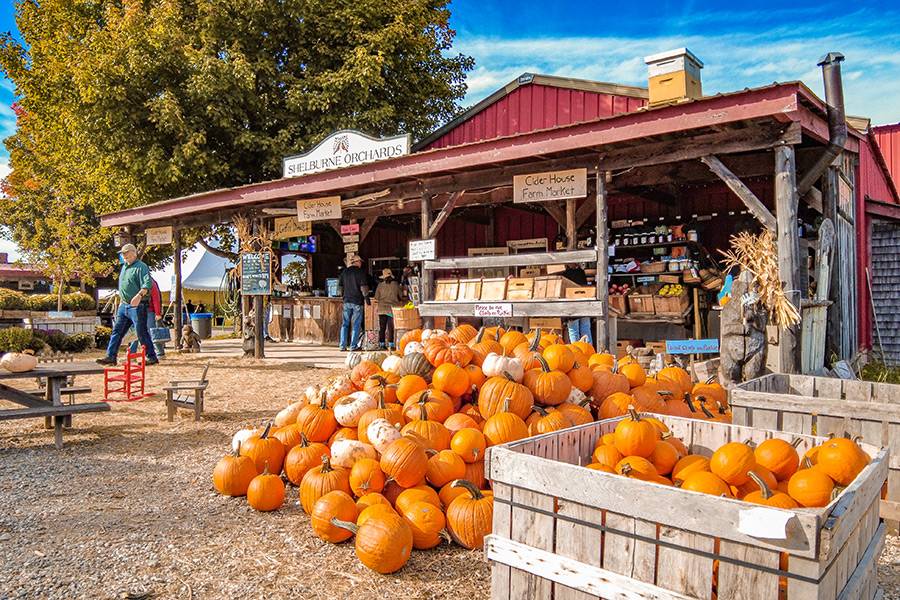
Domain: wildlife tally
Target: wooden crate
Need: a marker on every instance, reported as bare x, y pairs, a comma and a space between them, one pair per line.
622, 346
671, 305
520, 288
493, 288
640, 302
406, 318
529, 272
469, 289
446, 290
552, 286
564, 532
822, 405
581, 293
619, 303
546, 323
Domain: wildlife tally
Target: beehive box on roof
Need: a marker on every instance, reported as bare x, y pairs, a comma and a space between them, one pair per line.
822, 406
565, 532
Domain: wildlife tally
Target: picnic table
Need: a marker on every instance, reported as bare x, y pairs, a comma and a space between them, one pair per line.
50, 405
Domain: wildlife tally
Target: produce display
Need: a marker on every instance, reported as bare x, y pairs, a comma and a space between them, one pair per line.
391, 454
771, 473
618, 289
671, 289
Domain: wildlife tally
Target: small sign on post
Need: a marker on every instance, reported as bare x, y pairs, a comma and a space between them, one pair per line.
349, 228
319, 209
290, 227
493, 310
552, 185
256, 273
422, 250
349, 239
707, 346
351, 248
159, 236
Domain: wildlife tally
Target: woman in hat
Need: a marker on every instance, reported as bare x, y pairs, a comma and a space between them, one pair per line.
387, 295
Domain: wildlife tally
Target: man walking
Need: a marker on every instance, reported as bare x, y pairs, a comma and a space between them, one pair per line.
134, 293
356, 291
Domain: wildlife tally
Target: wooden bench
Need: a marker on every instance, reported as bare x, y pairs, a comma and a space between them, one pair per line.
187, 393
53, 411
70, 391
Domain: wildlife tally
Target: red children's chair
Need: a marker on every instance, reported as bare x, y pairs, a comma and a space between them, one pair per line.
126, 382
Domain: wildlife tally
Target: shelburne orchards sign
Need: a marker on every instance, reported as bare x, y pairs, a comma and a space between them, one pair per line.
344, 148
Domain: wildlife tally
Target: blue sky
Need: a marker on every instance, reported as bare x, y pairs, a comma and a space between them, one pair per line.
742, 44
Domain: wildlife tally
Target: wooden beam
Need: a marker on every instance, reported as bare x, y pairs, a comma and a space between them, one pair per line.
176, 241
522, 308
557, 212
571, 227
786, 204
335, 225
259, 341
511, 260
445, 213
601, 340
364, 229
425, 276
585, 211
497, 195
756, 208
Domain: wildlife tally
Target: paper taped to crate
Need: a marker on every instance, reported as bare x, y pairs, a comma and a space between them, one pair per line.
761, 522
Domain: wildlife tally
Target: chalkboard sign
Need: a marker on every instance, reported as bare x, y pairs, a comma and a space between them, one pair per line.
256, 273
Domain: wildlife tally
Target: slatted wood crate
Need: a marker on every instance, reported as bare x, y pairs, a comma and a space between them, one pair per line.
564, 532
823, 405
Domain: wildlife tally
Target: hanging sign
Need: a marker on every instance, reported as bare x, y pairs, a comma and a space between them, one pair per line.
493, 310
319, 209
552, 185
158, 236
344, 148
351, 248
709, 346
422, 250
349, 228
256, 273
290, 227
349, 239
529, 244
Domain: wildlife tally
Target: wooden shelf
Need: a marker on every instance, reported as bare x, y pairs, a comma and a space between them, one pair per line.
655, 319
657, 245
511, 260
520, 308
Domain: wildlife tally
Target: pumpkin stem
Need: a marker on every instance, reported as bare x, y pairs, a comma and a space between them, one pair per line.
265, 468
470, 487
536, 342
326, 464
323, 404
304, 441
544, 364
381, 403
423, 413
265, 432
351, 527
766, 491
633, 413
585, 402
687, 399
627, 469
506, 402
237, 451
508, 375
706, 412
540, 410
711, 379
806, 463
796, 442
479, 335
857, 439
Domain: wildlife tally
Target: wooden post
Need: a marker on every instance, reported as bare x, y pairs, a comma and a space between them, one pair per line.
786, 206
571, 226
602, 234
425, 276
176, 290
259, 343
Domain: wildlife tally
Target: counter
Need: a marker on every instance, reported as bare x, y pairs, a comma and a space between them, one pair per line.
308, 319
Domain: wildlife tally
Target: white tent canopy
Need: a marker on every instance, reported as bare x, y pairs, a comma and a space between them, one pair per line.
200, 270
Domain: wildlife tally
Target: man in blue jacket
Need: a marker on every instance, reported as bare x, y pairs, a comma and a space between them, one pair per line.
134, 293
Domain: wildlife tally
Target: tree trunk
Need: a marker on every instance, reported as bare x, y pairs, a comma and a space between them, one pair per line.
59, 295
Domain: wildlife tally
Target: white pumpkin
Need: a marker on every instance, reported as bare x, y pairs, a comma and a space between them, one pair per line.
288, 415
18, 362
392, 364
495, 365
576, 396
350, 408
345, 453
430, 333
312, 394
339, 388
241, 436
414, 347
382, 433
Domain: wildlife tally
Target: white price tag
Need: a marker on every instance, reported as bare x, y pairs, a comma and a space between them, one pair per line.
761, 522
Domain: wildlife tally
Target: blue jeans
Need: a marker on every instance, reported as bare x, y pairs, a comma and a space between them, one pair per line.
353, 316
579, 328
127, 317
160, 347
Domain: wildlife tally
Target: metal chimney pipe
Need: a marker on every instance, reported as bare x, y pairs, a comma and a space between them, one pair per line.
837, 119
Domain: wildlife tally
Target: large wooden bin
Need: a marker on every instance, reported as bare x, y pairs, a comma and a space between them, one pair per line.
823, 405
564, 532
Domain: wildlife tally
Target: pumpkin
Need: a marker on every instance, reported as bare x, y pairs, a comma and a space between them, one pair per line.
583, 346
371, 499
266, 492
444, 467
512, 339
393, 413
413, 335
415, 363
354, 358
414, 348
303, 457
288, 415
634, 373
392, 364
706, 483
731, 462
349, 409
233, 474
438, 406
615, 405
758, 473
497, 390
712, 390
419, 493
607, 383
475, 473
550, 421
779, 457
436, 435
337, 389
333, 505
345, 453
811, 488
463, 334
381, 433
316, 421
427, 334
842, 460
648, 398
264, 451
405, 461
581, 377
559, 357
675, 443
504, 427
445, 350
382, 384
242, 435
469, 444
692, 463
635, 437
426, 522
450, 379
362, 371
458, 421
320, 480
373, 511
768, 497
483, 346
366, 476
476, 377
664, 457
409, 385
636, 467
344, 433
19, 362
602, 359
289, 436
470, 518
606, 455
678, 377
600, 467
500, 364
576, 413
549, 387
383, 543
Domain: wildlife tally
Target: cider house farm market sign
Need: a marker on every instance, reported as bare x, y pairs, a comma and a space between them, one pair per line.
344, 148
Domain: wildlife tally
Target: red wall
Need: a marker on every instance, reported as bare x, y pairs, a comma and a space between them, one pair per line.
888, 137
872, 180
532, 107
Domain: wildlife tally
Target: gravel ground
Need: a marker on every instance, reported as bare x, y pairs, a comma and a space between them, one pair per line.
127, 509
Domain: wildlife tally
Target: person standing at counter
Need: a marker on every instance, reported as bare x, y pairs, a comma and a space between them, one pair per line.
387, 295
355, 284
579, 327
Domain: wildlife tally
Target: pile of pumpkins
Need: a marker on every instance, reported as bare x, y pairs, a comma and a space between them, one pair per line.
771, 473
393, 451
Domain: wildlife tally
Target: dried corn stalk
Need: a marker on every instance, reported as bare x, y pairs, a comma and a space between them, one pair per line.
758, 255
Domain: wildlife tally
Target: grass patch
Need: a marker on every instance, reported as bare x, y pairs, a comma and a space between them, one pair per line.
881, 373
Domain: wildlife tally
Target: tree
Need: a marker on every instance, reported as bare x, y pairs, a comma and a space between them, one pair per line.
122, 103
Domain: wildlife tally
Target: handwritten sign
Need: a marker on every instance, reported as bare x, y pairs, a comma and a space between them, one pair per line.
256, 273
350, 228
422, 250
319, 209
290, 227
552, 185
158, 236
351, 248
529, 244
349, 239
493, 310
708, 346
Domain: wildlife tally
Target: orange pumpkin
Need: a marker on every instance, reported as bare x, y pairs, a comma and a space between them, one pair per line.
264, 451
463, 334
606, 455
405, 461
706, 483
458, 421
483, 345
680, 379
712, 390
391, 412
409, 385
497, 390
436, 435
842, 460
576, 413
512, 339
550, 421
419, 493
758, 473
602, 359
583, 346
366, 477
732, 462
779, 457
233, 474
316, 421
549, 387
413, 335
647, 398
690, 464
469, 444
470, 517
635, 437
634, 373
664, 457
559, 357
384, 384
581, 376
811, 488
265, 492
504, 427
444, 467
363, 371
444, 349
476, 377
607, 383
636, 467
767, 496
333, 505
450, 379
437, 404
319, 481
303, 457
615, 405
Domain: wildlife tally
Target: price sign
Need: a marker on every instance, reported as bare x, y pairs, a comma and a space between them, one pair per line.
646, 279
422, 250
350, 228
256, 273
349, 239
708, 346
351, 248
159, 236
493, 310
319, 209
